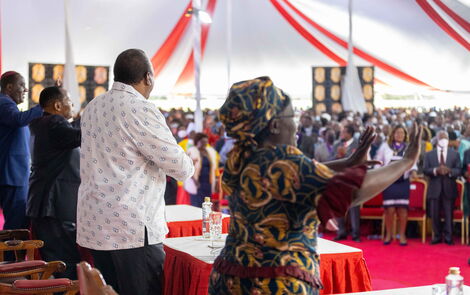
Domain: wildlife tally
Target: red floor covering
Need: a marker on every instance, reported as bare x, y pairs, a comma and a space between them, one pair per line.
417, 264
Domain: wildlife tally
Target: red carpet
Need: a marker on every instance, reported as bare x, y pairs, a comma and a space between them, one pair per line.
417, 264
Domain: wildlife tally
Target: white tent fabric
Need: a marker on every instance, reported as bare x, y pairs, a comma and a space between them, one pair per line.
263, 43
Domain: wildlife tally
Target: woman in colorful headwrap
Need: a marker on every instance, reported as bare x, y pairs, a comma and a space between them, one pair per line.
278, 196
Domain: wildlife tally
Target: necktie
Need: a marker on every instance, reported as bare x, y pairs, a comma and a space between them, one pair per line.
442, 162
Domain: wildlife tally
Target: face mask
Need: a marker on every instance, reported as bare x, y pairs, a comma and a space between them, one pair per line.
182, 133
457, 132
443, 142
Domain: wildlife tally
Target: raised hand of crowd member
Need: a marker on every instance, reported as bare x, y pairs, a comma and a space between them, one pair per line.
359, 156
377, 180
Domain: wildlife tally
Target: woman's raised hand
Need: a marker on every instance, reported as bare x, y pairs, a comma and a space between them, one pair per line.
360, 155
414, 147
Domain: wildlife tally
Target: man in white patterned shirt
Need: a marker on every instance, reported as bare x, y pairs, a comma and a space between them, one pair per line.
127, 151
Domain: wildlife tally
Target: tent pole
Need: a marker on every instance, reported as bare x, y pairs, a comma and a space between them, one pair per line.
198, 116
229, 41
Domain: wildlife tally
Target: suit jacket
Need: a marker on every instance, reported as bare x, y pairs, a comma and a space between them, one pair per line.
55, 176
444, 185
351, 148
14, 142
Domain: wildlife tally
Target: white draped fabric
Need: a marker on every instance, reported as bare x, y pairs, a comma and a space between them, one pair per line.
263, 43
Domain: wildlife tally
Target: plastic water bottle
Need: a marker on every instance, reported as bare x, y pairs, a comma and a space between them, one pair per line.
206, 211
454, 282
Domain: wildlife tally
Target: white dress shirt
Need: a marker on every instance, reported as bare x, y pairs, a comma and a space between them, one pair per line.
127, 150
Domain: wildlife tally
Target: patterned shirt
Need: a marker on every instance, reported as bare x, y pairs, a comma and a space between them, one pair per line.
127, 150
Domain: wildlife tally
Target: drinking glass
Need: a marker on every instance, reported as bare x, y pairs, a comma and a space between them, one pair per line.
215, 225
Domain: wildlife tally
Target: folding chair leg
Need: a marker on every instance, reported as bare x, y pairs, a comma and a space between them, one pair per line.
423, 228
383, 227
462, 228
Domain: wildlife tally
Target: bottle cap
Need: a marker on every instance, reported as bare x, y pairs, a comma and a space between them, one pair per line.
207, 199
454, 270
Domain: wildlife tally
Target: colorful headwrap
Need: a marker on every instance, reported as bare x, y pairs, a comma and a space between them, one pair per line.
249, 108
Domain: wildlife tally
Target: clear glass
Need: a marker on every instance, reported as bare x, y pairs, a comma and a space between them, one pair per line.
215, 219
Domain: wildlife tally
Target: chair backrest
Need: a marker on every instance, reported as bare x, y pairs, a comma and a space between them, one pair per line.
15, 234
376, 201
418, 192
17, 246
459, 198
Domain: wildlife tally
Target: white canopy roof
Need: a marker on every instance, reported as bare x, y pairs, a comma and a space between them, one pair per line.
398, 33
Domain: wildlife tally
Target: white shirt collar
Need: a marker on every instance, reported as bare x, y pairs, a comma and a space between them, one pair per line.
119, 86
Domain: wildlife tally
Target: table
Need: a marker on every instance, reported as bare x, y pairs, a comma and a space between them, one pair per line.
186, 220
423, 290
189, 261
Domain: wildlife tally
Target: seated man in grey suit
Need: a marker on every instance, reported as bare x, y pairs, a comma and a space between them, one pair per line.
442, 165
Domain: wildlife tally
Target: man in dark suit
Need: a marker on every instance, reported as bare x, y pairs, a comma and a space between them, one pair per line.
307, 136
442, 166
14, 150
342, 149
466, 172
54, 181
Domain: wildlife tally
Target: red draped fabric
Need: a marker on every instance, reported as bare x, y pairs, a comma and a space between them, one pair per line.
457, 18
344, 273
429, 10
187, 75
375, 61
191, 228
182, 196
184, 274
161, 57
340, 273
309, 37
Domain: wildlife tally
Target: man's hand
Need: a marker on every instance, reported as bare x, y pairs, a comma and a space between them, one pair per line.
442, 170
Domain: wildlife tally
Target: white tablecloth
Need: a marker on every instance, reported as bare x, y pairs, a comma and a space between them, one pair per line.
199, 248
184, 213
424, 290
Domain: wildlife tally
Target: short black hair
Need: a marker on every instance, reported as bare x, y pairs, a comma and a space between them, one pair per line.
8, 79
50, 94
199, 136
131, 66
350, 129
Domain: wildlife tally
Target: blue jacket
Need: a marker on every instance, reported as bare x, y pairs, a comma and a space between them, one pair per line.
14, 142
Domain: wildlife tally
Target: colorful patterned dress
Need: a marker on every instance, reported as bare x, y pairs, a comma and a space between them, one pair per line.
271, 246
